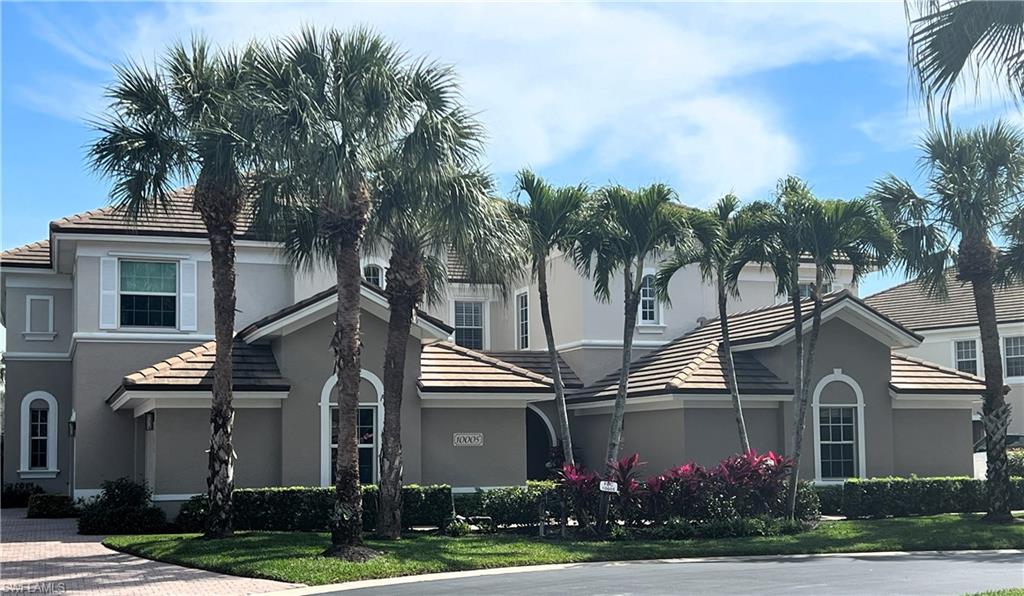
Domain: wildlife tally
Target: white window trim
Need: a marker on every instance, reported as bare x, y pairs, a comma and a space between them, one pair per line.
177, 290
518, 333
659, 306
485, 313
378, 261
34, 335
1006, 364
325, 423
978, 361
50, 471
837, 376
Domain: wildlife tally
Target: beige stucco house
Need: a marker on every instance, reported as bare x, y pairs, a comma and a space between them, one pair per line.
109, 357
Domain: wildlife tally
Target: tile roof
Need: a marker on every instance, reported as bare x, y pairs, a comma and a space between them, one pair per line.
254, 369
311, 300
175, 218
34, 254
540, 363
909, 304
450, 368
913, 375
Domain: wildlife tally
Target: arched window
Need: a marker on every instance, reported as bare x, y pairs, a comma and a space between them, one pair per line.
374, 274
369, 421
649, 311
38, 457
838, 430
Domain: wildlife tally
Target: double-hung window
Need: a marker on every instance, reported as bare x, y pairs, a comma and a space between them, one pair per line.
648, 302
837, 426
366, 433
966, 353
38, 437
469, 324
148, 293
1013, 347
523, 320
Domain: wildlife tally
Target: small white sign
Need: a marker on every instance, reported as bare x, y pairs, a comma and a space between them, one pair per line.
607, 486
468, 439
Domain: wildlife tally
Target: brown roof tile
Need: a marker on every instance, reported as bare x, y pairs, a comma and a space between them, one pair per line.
540, 363
34, 254
447, 367
254, 369
913, 375
910, 304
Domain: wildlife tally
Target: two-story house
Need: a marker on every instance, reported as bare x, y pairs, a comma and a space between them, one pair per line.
109, 360
951, 337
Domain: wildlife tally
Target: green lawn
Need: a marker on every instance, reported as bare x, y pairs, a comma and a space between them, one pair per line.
294, 557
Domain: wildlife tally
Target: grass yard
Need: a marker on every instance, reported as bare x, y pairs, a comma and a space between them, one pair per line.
294, 557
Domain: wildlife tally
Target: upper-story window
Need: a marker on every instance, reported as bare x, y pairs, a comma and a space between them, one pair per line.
148, 293
374, 274
649, 314
1013, 347
38, 317
523, 320
965, 351
469, 324
805, 289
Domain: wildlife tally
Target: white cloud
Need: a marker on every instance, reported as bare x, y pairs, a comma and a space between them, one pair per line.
619, 82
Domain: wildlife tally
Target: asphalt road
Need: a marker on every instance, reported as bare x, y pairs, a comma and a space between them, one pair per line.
920, 573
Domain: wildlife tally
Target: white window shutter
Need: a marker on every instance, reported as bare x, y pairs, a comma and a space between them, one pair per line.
108, 293
187, 296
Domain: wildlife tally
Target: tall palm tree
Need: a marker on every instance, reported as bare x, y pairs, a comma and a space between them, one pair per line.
554, 220
716, 233
975, 194
339, 103
949, 39
629, 229
187, 119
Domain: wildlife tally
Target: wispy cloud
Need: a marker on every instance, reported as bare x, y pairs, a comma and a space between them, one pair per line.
616, 83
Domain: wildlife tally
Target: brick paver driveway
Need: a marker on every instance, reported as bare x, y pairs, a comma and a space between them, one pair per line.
48, 556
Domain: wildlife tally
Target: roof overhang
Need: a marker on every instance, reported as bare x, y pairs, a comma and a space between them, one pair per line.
854, 312
669, 401
369, 301
933, 401
481, 399
140, 401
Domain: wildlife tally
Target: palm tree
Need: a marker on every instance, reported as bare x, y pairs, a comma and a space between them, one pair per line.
975, 186
186, 119
338, 105
716, 233
554, 219
629, 229
951, 38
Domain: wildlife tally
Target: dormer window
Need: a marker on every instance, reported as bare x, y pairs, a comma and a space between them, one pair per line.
148, 294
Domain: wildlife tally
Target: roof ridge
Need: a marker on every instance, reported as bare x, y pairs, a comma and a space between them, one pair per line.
938, 367
694, 365
480, 356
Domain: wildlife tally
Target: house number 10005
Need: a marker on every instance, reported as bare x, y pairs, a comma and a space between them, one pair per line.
468, 439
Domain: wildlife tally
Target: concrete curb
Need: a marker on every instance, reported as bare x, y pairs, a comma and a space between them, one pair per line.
410, 579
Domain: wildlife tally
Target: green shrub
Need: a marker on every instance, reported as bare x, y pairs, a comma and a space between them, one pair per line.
676, 528
307, 509
457, 528
899, 497
830, 496
519, 505
1015, 461
469, 504
123, 507
51, 506
17, 494
808, 503
746, 526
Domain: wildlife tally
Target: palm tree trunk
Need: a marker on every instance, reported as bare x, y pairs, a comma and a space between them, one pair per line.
995, 410
347, 517
406, 282
632, 298
730, 367
218, 211
799, 409
564, 436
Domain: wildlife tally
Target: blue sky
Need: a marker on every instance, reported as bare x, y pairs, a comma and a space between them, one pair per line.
709, 98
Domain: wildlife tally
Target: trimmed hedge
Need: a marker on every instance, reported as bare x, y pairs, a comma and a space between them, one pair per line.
900, 497
519, 505
308, 509
831, 498
17, 494
123, 507
51, 506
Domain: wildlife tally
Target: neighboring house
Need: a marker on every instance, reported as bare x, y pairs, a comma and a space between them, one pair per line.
110, 356
951, 335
